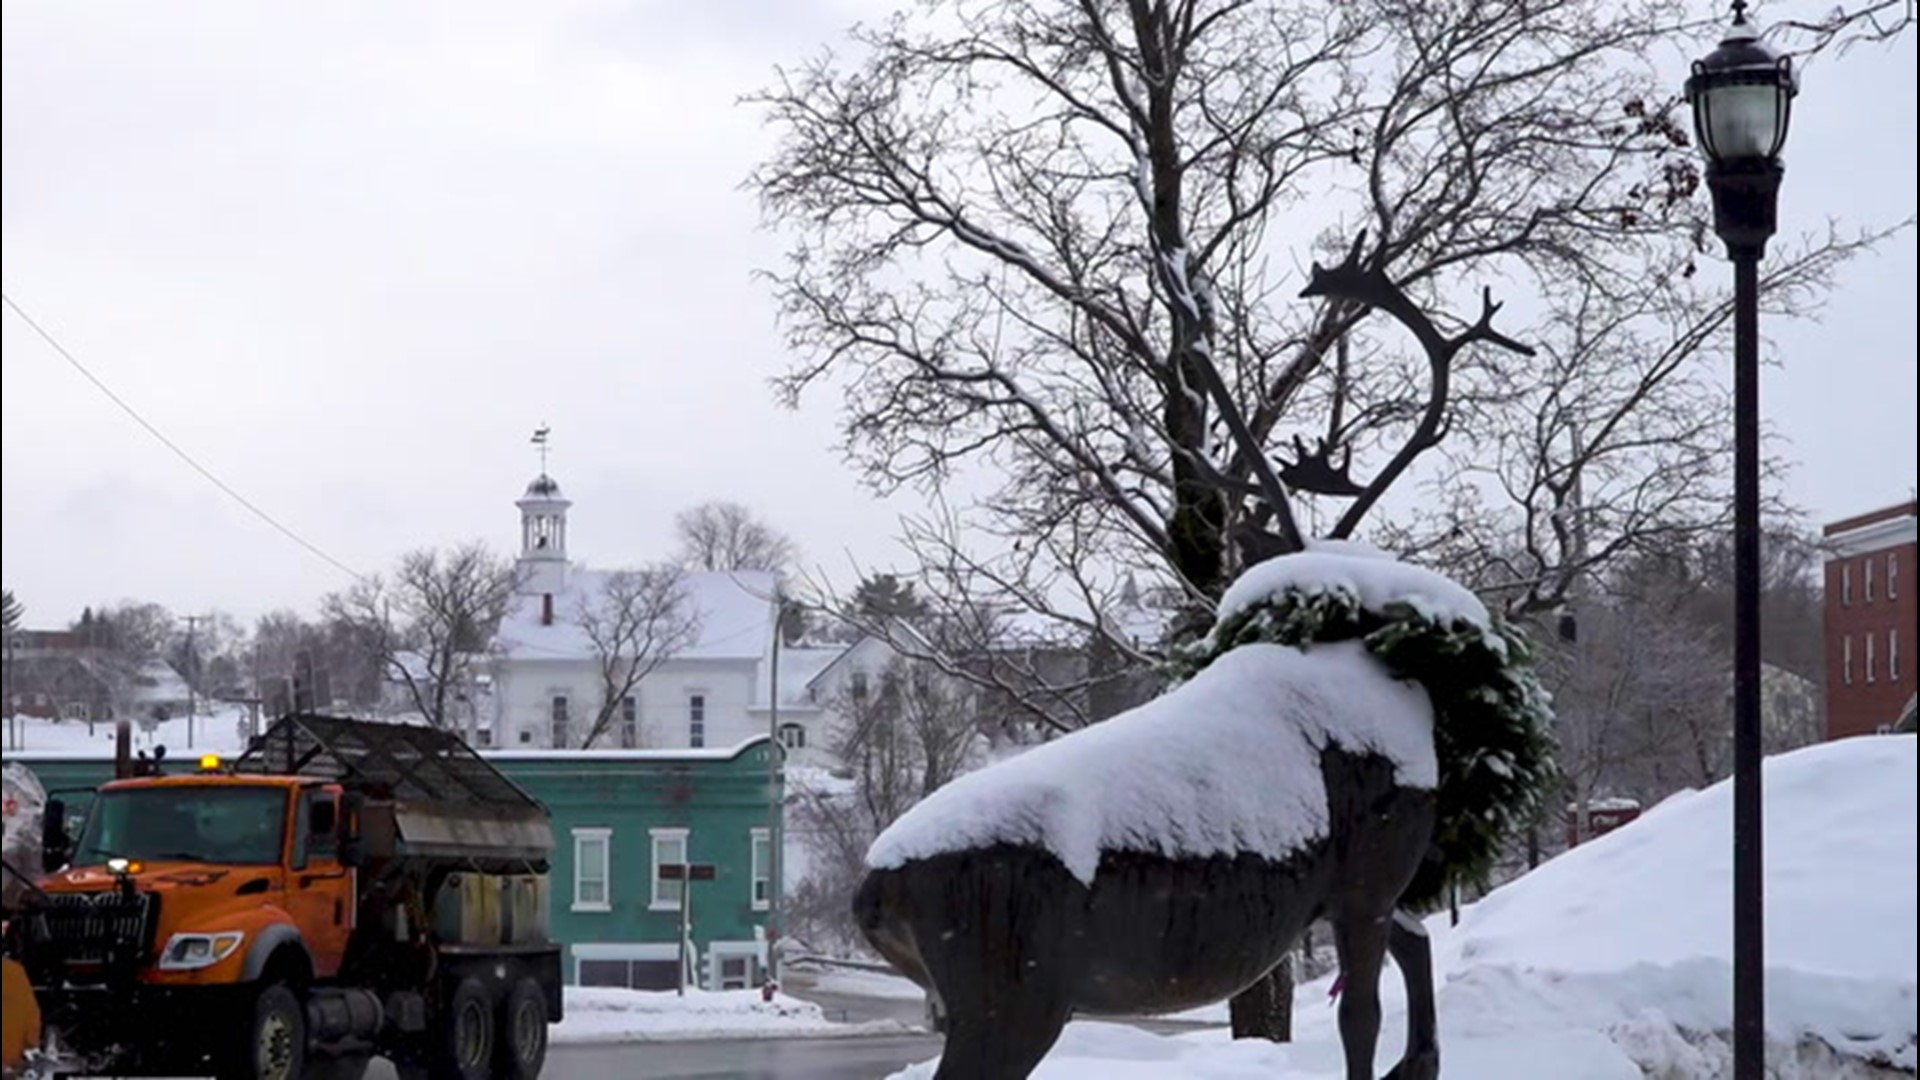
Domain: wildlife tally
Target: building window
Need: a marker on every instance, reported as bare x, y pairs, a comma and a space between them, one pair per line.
696, 720
561, 734
858, 685
1869, 636
591, 852
736, 972
793, 736
633, 966
1893, 655
1846, 584
1846, 659
526, 737
629, 723
669, 847
483, 738
1867, 585
1893, 575
762, 869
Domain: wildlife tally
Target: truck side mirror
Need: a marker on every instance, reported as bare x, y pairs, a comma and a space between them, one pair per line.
322, 819
56, 847
353, 850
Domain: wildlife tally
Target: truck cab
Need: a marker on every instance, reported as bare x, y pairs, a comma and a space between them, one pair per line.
236, 866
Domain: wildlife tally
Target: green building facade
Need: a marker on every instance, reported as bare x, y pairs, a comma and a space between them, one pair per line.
618, 816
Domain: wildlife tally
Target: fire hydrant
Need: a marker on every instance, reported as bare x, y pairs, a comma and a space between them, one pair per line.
767, 990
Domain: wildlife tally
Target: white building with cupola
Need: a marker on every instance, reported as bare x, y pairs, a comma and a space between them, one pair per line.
714, 693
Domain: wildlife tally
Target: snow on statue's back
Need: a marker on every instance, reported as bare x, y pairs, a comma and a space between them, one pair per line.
1227, 763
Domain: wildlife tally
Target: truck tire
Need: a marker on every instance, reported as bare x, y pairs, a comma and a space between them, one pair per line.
464, 1034
273, 1043
520, 1041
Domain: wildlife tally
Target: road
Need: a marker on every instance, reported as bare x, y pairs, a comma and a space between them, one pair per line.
736, 1059
852, 1058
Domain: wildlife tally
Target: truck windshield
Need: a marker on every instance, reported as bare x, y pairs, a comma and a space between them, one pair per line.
223, 824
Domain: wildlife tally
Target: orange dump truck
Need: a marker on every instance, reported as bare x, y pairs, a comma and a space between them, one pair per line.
344, 889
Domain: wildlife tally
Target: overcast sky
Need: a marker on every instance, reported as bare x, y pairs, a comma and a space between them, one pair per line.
350, 255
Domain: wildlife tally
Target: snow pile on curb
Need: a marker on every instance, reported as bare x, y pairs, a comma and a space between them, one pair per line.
1613, 962
612, 1015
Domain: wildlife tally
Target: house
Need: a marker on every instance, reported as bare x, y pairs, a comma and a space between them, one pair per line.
59, 685
152, 689
716, 690
618, 816
86, 684
1869, 619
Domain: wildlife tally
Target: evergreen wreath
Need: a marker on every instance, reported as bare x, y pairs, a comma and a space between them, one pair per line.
1492, 718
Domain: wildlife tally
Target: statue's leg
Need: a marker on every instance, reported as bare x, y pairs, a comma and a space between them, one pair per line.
1361, 940
1004, 1038
998, 935
1408, 945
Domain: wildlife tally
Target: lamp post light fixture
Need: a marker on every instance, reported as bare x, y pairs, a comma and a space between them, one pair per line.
1742, 95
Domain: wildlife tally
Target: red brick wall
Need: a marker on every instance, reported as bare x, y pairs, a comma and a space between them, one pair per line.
1859, 705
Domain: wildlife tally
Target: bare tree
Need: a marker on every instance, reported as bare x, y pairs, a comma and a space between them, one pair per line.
1037, 241
1842, 26
429, 620
902, 734
727, 536
133, 630
635, 621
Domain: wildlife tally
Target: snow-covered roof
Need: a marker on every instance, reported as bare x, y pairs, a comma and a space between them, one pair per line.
154, 682
1226, 763
720, 753
800, 665
735, 611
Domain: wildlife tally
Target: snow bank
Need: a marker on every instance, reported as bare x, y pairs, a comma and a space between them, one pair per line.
1226, 763
854, 982
1613, 962
607, 1014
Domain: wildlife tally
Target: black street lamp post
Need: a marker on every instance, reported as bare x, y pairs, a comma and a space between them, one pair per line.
1742, 94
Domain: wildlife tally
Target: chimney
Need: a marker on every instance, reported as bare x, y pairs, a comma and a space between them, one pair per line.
546, 609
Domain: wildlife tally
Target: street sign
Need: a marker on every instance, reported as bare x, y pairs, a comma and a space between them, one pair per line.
699, 871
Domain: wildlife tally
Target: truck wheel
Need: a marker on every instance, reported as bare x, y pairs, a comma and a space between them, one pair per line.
521, 1044
273, 1045
466, 1034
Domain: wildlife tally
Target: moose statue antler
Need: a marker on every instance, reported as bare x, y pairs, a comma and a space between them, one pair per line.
1314, 470
1363, 279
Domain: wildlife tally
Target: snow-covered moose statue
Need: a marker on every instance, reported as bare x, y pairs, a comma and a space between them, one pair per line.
1352, 733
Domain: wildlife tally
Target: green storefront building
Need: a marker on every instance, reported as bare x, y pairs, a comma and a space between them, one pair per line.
618, 816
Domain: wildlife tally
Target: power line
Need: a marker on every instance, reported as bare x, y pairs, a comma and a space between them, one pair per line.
54, 343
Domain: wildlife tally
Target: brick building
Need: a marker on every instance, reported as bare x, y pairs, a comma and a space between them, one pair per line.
1870, 625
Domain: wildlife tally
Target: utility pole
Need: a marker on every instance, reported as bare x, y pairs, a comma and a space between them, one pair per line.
774, 753
193, 672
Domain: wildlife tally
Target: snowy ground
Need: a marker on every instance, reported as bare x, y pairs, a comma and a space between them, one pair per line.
602, 1015
218, 730
858, 983
1612, 962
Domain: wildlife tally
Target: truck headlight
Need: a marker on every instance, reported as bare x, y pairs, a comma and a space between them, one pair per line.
190, 952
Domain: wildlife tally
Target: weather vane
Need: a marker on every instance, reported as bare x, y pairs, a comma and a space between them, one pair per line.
540, 436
